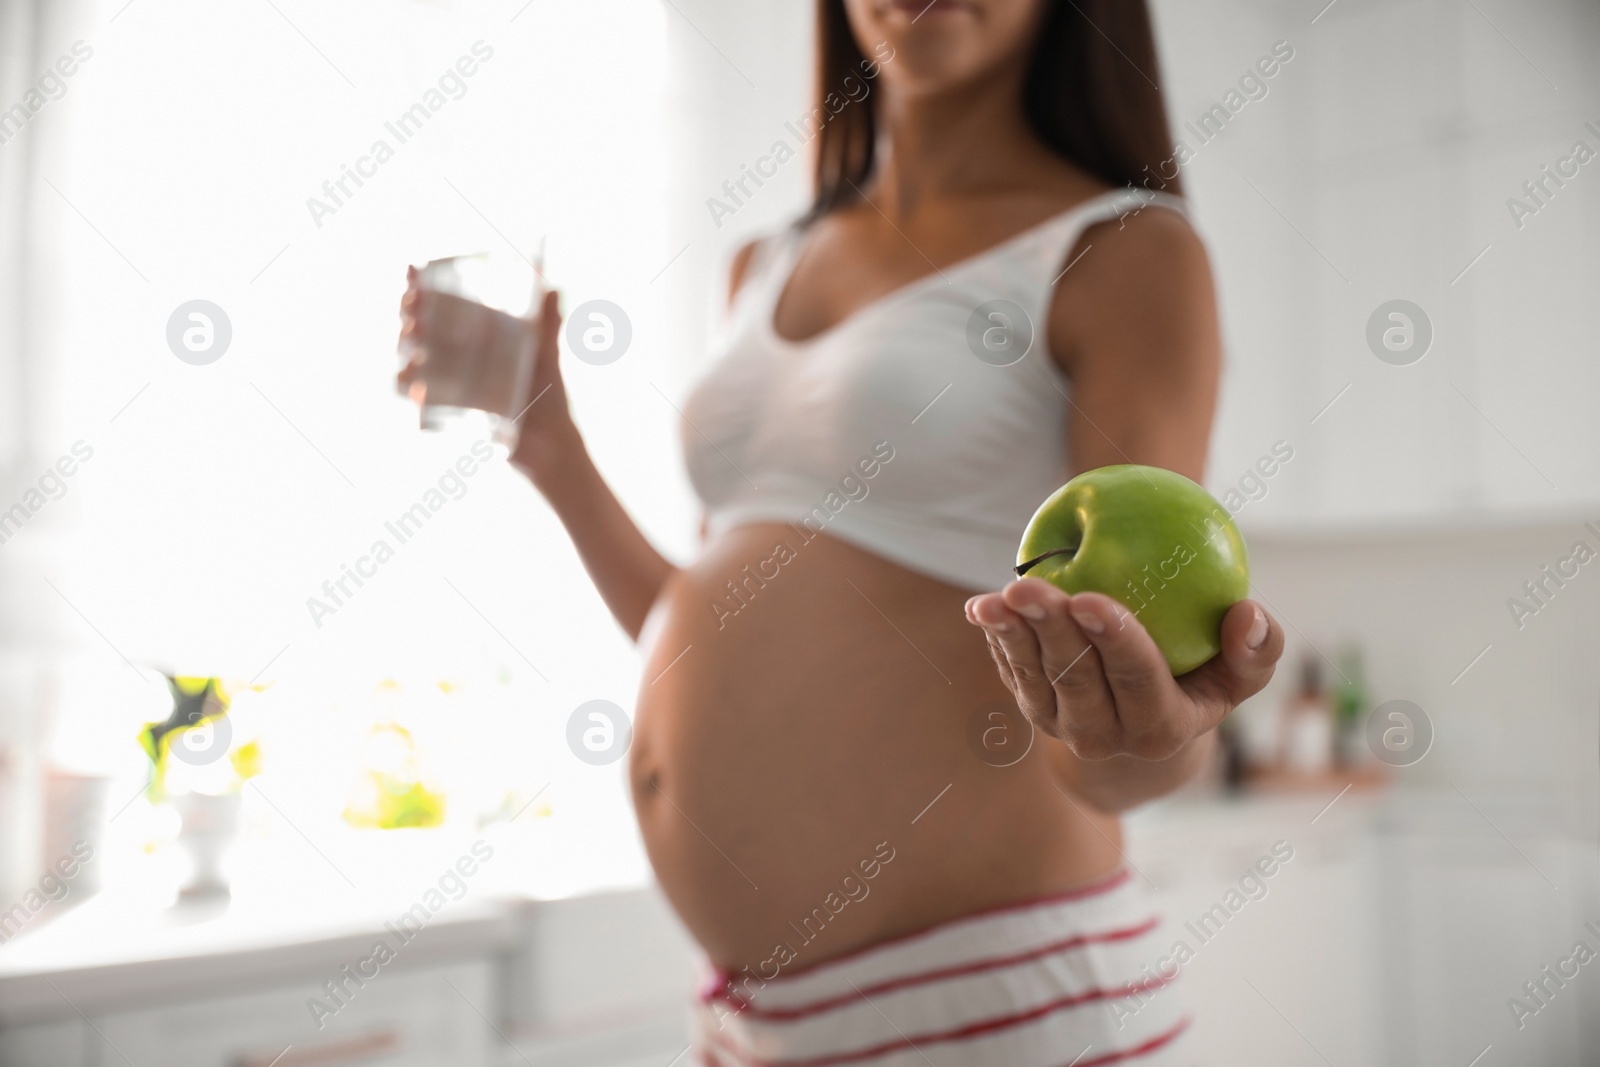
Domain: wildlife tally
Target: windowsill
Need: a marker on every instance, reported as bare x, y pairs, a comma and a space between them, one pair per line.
286, 924
110, 954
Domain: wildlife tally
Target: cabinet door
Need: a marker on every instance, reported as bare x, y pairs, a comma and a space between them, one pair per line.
1285, 980
417, 1018
57, 1044
1464, 923
1383, 165
595, 962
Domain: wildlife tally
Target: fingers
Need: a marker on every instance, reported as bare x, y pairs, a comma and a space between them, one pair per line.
1147, 699
445, 334
989, 613
410, 301
1084, 669
1053, 672
413, 293
1086, 714
407, 345
1252, 643
1047, 610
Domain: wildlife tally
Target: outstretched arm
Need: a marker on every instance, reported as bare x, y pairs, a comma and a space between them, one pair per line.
1134, 325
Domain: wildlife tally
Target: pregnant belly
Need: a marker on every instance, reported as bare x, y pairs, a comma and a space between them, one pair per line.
801, 765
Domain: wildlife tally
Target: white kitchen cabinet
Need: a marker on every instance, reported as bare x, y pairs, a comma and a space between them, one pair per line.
1469, 919
63, 1043
1377, 167
418, 1018
600, 981
111, 983
1394, 936
1288, 979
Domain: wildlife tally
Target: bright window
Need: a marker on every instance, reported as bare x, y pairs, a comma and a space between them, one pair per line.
219, 498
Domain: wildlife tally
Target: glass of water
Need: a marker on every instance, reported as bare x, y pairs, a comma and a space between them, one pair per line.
479, 329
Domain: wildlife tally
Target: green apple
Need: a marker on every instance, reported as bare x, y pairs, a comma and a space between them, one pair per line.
1153, 541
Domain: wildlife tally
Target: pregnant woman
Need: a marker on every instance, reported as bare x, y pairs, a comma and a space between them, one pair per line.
883, 860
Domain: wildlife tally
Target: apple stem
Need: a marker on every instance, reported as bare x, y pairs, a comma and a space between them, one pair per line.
1024, 568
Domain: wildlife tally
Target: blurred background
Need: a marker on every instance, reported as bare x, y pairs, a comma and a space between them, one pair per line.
1429, 751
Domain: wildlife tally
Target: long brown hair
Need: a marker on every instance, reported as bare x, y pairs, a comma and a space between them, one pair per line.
1092, 94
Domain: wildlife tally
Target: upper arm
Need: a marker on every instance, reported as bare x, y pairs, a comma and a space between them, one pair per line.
1134, 325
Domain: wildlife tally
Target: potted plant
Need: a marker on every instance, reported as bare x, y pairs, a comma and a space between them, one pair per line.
197, 767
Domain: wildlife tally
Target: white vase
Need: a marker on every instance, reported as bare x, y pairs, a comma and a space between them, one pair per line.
210, 824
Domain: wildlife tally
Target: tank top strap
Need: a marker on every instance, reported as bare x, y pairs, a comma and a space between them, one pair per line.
769, 265
1055, 241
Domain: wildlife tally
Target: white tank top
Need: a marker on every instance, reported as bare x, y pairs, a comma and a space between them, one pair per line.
888, 430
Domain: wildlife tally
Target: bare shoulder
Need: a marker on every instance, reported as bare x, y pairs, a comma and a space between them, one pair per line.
1142, 280
1152, 246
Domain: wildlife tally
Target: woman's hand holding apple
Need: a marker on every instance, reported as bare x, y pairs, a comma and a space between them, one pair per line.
1083, 670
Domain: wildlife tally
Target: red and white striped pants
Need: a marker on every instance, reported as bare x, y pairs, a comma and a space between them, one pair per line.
1063, 981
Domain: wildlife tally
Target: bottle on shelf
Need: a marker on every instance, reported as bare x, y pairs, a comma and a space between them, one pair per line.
1308, 724
1351, 700
1232, 755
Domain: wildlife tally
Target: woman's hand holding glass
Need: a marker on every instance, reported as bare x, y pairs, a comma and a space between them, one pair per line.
461, 354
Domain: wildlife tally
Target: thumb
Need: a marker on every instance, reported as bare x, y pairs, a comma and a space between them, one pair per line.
548, 344
548, 339
1252, 642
